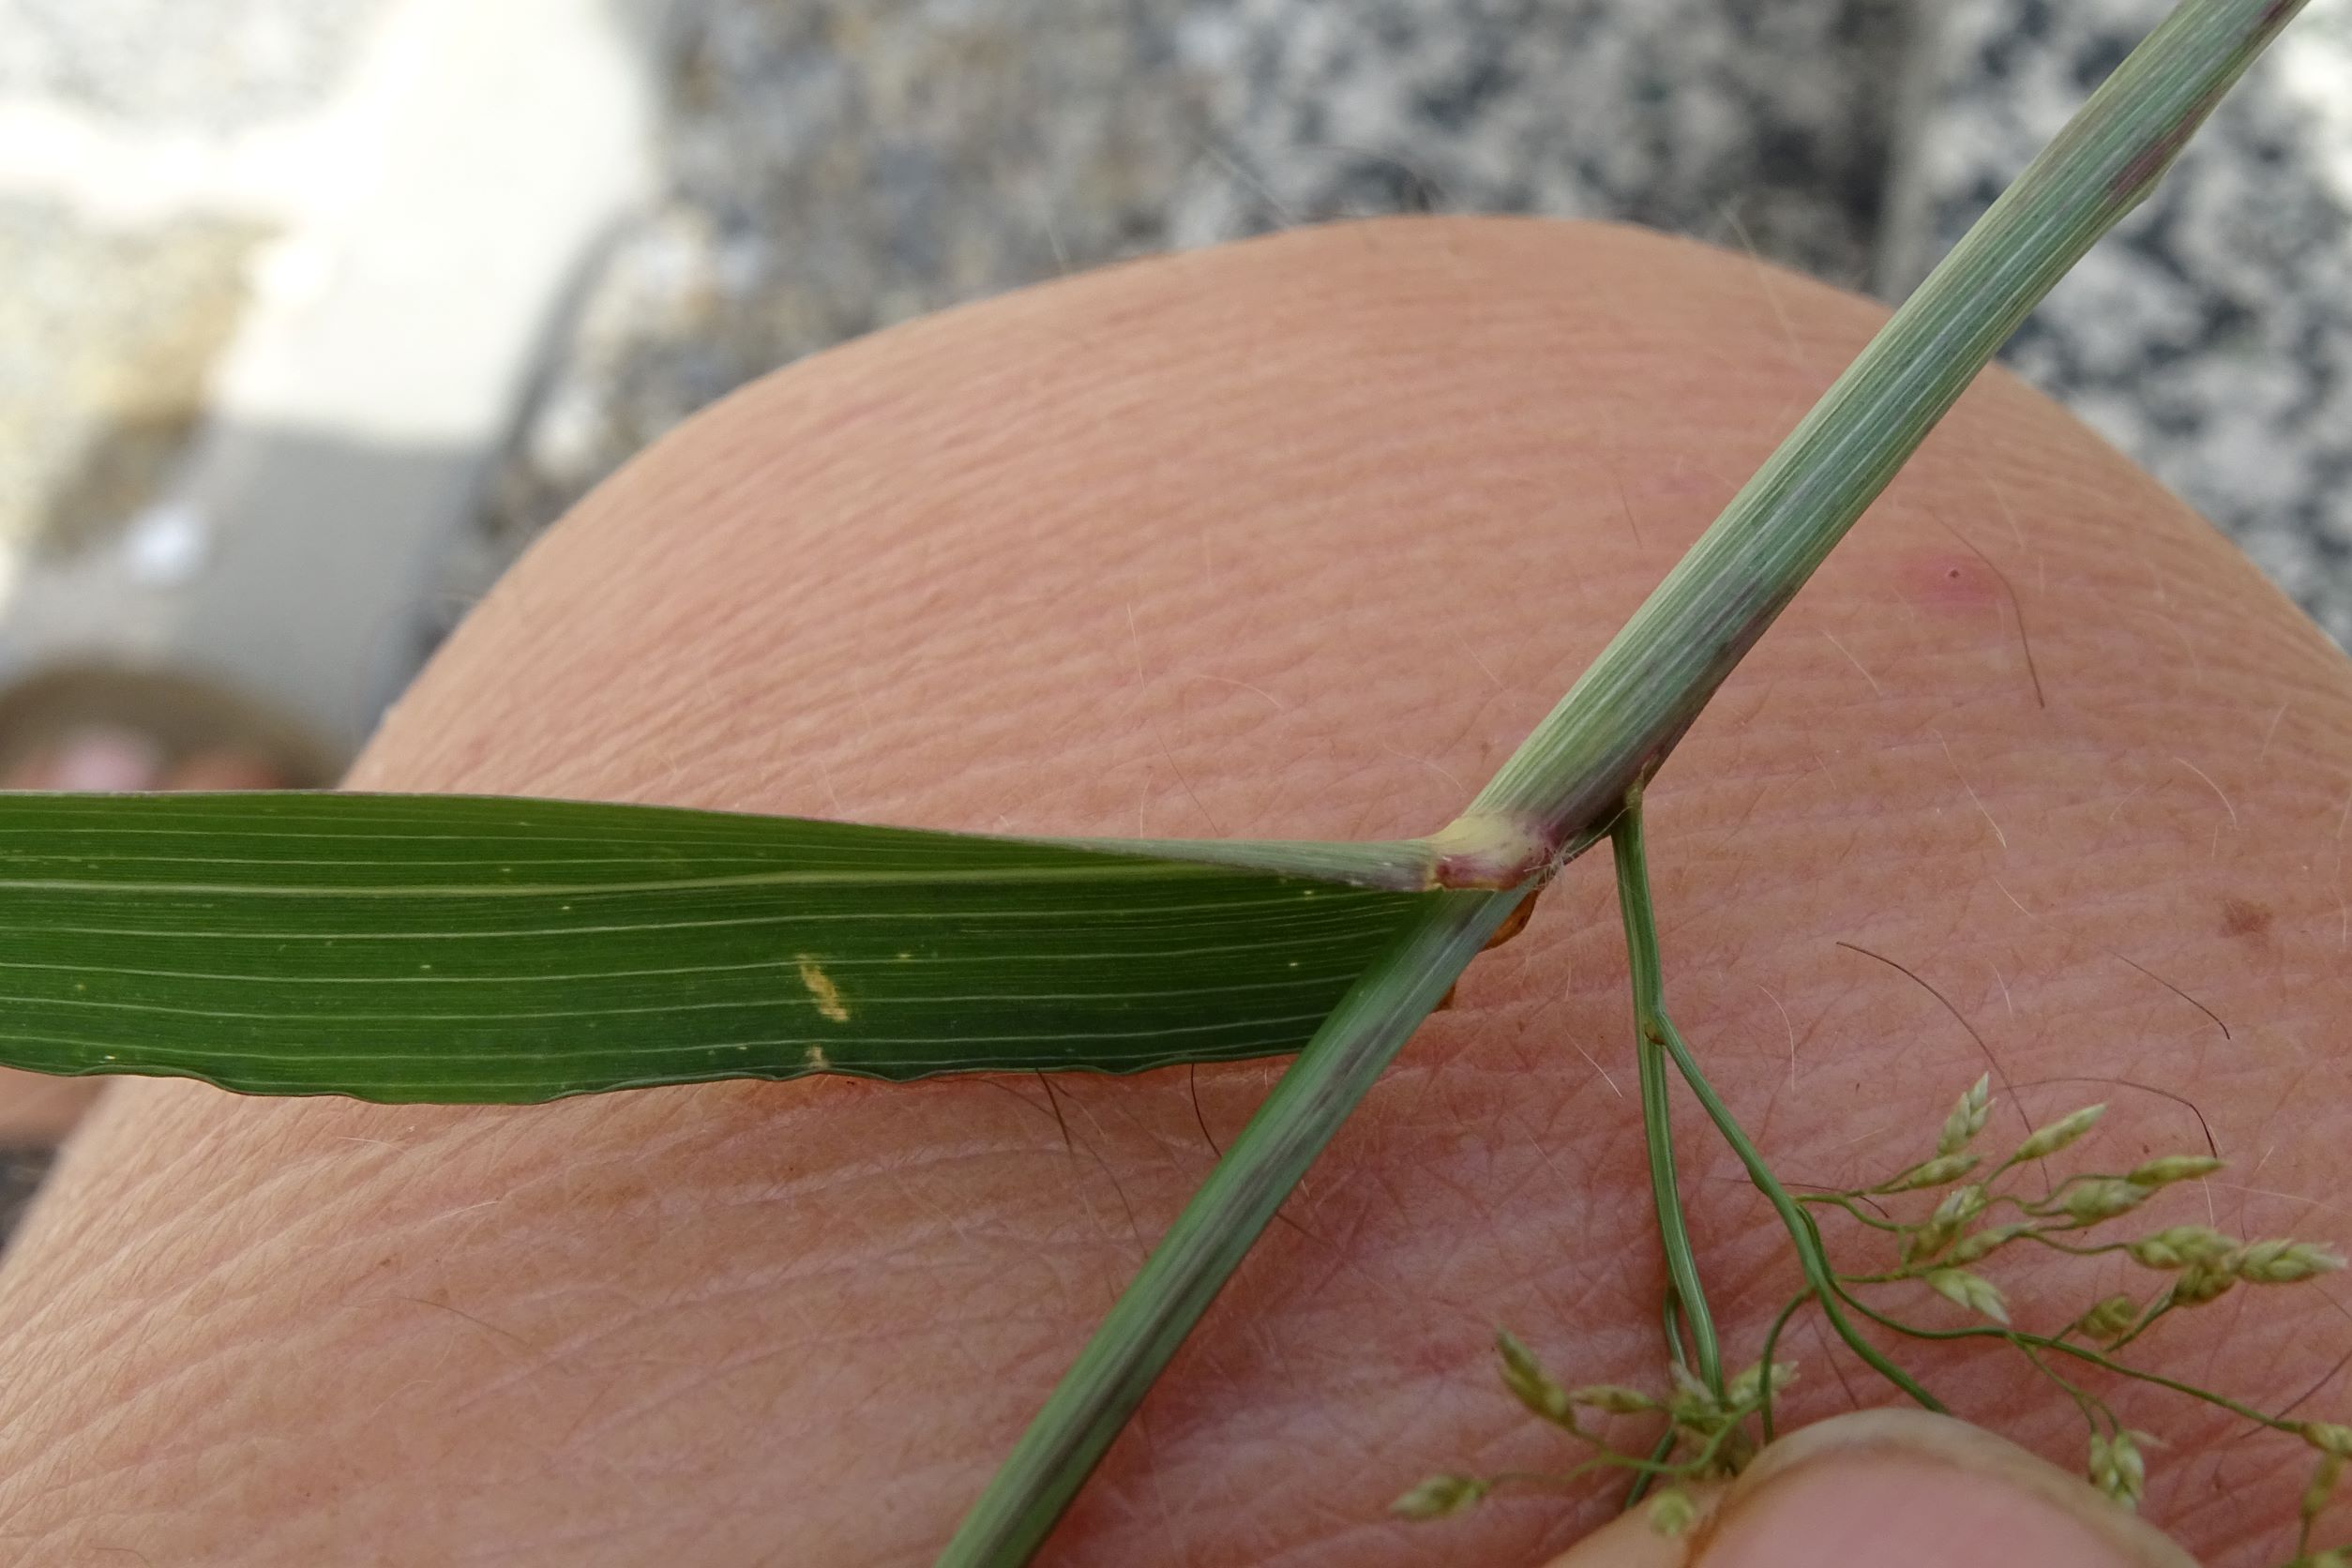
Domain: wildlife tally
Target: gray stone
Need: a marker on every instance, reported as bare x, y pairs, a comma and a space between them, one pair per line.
837, 165
2211, 335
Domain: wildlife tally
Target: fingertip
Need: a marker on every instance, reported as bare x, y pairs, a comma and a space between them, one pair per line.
1898, 1507
1894, 1487
1632, 1540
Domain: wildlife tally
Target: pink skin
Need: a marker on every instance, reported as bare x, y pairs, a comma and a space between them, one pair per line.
1294, 539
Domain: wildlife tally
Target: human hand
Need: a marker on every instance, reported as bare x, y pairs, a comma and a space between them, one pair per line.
1294, 538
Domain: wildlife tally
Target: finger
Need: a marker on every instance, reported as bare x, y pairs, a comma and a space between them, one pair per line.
1892, 1486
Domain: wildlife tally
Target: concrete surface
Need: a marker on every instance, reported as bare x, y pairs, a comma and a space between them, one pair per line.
214, 64
426, 220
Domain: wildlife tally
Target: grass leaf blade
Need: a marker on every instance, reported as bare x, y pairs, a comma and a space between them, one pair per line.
480, 950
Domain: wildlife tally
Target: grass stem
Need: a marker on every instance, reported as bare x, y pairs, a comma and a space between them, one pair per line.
1260, 1167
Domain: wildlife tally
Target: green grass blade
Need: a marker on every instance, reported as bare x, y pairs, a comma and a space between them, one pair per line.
1193, 1259
444, 948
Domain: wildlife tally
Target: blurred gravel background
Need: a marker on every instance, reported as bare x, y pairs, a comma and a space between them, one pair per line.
214, 64
820, 167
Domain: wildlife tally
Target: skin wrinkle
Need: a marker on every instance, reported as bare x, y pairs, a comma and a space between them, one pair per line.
925, 602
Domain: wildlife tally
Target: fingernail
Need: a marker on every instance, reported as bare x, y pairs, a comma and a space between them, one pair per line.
1892, 1486
1923, 1491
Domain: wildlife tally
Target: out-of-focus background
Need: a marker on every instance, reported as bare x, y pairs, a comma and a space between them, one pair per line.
313, 312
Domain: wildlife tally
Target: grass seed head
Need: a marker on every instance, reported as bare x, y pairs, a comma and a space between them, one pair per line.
1978, 1244
2281, 1262
1942, 1227
2057, 1134
1672, 1512
1973, 1291
1934, 1173
2324, 1477
2100, 1198
2118, 1467
1439, 1495
1968, 1118
1960, 1205
2178, 1246
2328, 1437
1612, 1399
2202, 1282
2164, 1172
2109, 1318
1747, 1389
1533, 1386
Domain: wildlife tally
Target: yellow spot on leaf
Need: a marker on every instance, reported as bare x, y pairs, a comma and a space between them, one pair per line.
816, 1059
821, 991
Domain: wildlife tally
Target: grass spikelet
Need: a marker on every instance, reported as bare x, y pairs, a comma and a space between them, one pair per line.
1971, 1291
2044, 1141
1968, 1117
